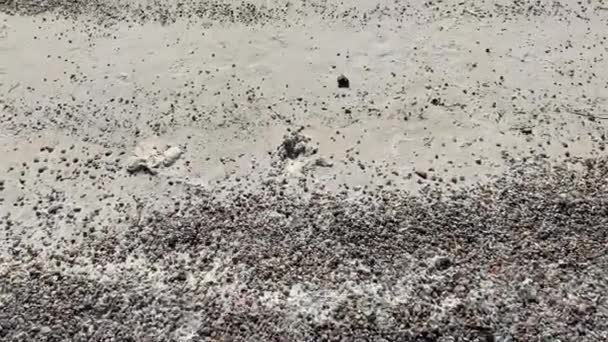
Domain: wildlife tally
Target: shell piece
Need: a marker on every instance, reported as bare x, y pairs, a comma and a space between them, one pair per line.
137, 164
155, 161
148, 159
171, 155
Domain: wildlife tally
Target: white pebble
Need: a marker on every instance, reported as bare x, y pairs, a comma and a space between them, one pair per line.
171, 155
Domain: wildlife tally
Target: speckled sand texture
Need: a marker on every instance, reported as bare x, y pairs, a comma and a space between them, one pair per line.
314, 170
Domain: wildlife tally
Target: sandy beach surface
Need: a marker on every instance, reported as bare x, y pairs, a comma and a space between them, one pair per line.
314, 170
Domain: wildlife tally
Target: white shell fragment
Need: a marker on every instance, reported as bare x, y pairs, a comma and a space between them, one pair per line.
171, 155
148, 159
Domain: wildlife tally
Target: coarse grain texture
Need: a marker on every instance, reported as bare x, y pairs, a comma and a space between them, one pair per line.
521, 257
303, 170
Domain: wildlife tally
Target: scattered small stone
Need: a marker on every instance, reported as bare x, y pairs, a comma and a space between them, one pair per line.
526, 290
53, 209
272, 265
526, 130
322, 162
295, 145
442, 263
343, 82
422, 174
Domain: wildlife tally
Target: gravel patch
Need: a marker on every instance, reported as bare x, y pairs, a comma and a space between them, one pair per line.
520, 258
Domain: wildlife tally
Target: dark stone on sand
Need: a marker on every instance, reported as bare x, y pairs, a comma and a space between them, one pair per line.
421, 174
443, 263
54, 208
343, 82
526, 130
295, 145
